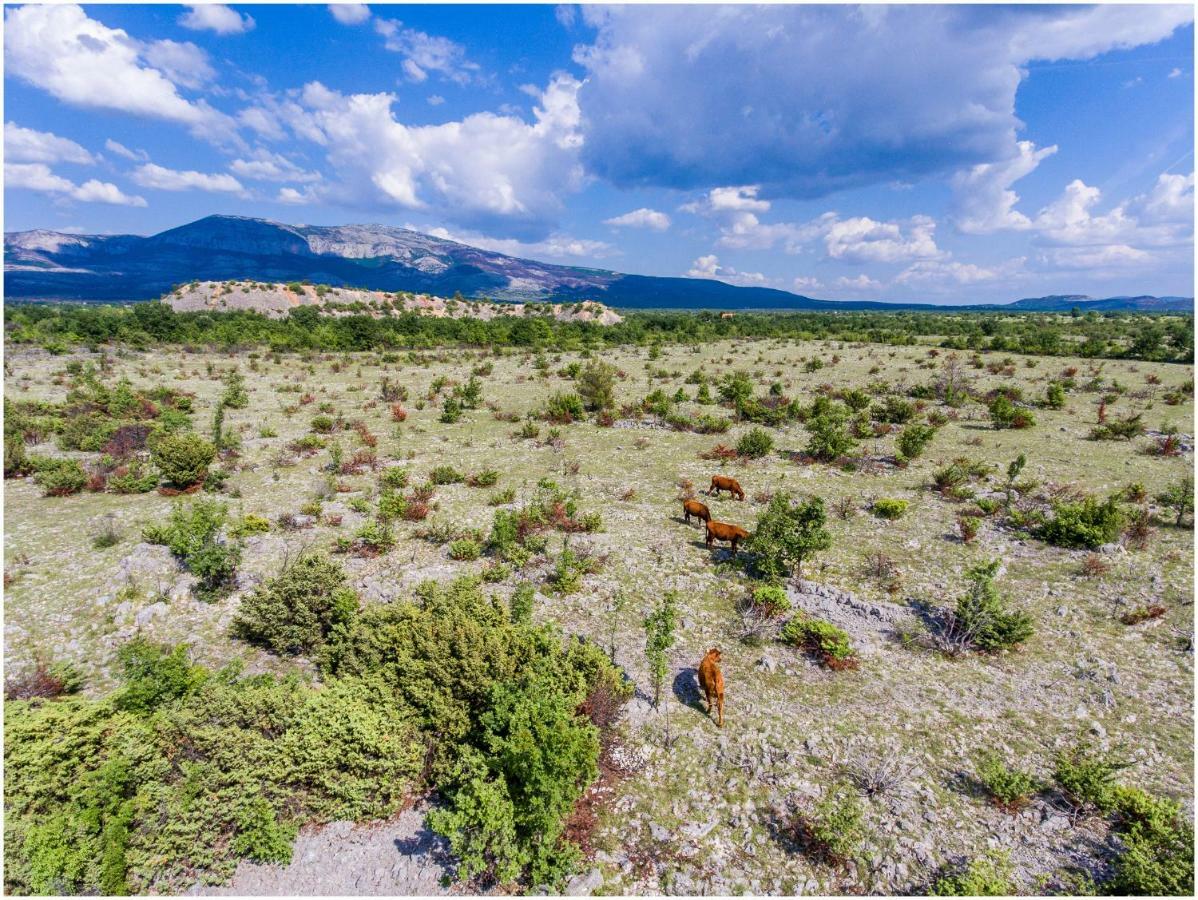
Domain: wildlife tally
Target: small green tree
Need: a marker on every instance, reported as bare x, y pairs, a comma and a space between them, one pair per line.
788, 533
982, 615
597, 386
520, 606
913, 439
659, 638
1179, 497
235, 395
830, 438
1013, 470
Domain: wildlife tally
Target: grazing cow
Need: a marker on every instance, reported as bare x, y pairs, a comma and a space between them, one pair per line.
711, 680
722, 531
696, 509
724, 483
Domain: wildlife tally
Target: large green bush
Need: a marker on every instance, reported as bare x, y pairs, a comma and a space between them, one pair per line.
830, 438
755, 443
498, 699
182, 457
60, 477
294, 612
104, 799
1086, 524
787, 533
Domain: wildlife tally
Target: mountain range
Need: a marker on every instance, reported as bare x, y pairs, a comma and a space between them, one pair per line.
50, 265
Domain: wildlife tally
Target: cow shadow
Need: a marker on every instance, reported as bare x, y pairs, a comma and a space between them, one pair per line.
686, 689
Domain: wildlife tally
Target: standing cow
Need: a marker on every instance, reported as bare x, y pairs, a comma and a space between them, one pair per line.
711, 680
696, 509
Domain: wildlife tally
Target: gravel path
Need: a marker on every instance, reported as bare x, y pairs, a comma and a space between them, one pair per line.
398, 857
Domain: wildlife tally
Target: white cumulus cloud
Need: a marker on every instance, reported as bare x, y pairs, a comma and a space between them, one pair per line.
709, 267
216, 17
154, 176
641, 218
350, 13
38, 177
984, 202
488, 172
424, 53
28, 145
81, 61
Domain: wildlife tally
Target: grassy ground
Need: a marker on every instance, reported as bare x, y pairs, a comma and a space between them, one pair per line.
790, 725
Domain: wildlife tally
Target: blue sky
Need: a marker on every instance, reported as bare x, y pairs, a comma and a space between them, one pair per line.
945, 154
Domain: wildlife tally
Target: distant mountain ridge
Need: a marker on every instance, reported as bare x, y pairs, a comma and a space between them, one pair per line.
49, 265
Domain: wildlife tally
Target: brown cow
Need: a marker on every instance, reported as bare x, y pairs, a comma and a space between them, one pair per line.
724, 483
711, 680
696, 509
722, 531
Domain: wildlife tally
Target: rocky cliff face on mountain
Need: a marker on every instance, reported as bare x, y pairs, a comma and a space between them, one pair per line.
277, 300
47, 265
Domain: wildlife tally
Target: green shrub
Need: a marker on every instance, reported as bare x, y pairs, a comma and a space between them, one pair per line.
235, 395
193, 534
1179, 497
512, 754
830, 643
500, 498
771, 599
887, 508
986, 876
982, 616
755, 443
1005, 414
520, 606
60, 477
391, 506
1086, 524
830, 439
137, 479
787, 533
894, 410
394, 477
1157, 857
182, 457
231, 765
16, 461
485, 478
1054, 395
154, 675
1087, 777
597, 386
445, 475
451, 410
323, 424
249, 525
1007, 787
1118, 429
913, 439
465, 549
294, 612
564, 408
509, 804
834, 830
